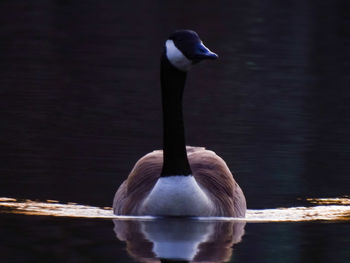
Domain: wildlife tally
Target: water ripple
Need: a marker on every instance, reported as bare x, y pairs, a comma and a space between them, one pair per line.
321, 209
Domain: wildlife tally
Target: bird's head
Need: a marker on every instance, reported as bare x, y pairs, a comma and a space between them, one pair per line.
184, 48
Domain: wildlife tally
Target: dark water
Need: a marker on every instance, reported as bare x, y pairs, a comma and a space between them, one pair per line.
80, 103
49, 239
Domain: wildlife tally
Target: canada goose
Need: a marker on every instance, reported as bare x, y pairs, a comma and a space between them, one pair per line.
179, 180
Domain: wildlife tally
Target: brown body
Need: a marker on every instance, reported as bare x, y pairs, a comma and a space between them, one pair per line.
208, 169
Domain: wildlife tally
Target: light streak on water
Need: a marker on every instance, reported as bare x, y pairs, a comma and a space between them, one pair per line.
52, 208
321, 209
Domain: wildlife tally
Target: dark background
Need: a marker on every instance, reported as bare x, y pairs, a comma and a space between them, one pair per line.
80, 95
80, 104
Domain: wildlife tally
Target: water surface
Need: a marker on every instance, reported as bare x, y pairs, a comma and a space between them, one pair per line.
209, 239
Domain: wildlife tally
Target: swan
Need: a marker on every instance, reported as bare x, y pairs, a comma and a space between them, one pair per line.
179, 180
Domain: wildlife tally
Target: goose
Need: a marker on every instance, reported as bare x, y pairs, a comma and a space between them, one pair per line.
179, 180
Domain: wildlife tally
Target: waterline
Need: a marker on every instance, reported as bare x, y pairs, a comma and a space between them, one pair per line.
321, 209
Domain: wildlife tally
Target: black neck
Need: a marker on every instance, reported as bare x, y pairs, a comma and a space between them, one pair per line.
175, 160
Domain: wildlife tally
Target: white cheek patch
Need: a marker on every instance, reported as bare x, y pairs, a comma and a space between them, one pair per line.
176, 58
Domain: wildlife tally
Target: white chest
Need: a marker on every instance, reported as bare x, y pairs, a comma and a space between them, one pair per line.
177, 196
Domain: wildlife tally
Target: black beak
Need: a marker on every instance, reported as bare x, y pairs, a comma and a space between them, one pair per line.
202, 52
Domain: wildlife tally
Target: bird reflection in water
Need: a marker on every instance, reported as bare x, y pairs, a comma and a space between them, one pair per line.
179, 239
210, 239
